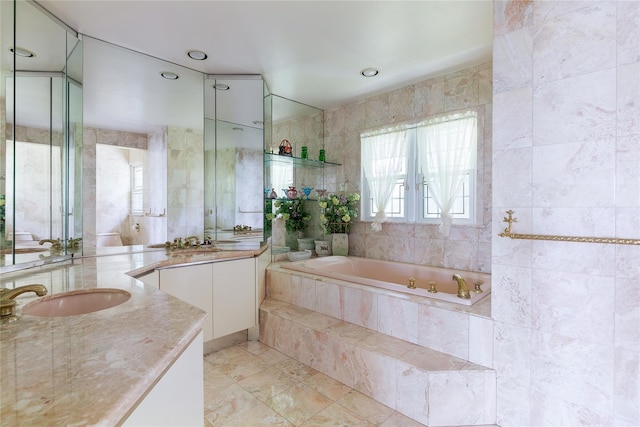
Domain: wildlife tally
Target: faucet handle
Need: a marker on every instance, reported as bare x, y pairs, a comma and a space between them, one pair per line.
477, 286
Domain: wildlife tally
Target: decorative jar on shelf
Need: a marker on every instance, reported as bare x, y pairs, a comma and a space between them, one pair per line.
292, 193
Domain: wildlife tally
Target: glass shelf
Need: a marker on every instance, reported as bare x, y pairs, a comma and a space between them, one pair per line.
310, 199
297, 161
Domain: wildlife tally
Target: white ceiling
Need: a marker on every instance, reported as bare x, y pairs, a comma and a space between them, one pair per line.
309, 51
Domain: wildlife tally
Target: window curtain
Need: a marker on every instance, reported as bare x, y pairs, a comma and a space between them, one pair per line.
383, 160
446, 152
281, 177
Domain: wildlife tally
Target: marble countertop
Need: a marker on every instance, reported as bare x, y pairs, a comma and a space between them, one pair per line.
93, 369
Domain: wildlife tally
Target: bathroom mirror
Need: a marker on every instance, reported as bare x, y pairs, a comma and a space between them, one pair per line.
234, 157
143, 137
41, 102
126, 121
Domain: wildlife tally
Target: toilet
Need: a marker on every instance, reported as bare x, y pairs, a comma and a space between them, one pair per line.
20, 236
108, 239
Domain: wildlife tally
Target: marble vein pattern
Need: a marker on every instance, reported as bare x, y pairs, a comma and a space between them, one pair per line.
284, 392
81, 370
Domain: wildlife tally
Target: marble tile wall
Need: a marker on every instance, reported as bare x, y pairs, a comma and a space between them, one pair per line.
566, 159
38, 199
467, 247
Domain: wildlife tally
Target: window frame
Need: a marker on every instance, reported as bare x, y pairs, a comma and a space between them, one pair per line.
137, 190
415, 184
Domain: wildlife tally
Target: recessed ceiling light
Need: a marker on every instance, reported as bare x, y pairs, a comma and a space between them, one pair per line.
238, 129
22, 52
169, 75
197, 55
369, 72
220, 86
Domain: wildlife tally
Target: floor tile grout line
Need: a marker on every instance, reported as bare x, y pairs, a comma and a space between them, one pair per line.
299, 381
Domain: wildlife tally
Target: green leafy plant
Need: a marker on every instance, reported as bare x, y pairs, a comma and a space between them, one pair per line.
293, 212
338, 212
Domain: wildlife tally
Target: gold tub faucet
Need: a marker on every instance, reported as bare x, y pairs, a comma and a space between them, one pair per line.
463, 289
7, 296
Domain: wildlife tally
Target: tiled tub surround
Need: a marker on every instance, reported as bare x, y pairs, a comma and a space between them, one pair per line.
427, 359
398, 276
92, 369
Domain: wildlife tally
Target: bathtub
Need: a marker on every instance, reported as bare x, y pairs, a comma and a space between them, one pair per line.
395, 276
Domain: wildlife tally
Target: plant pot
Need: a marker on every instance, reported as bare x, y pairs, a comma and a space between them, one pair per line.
340, 244
291, 240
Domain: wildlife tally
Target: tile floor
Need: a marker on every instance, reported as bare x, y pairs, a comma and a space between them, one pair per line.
251, 384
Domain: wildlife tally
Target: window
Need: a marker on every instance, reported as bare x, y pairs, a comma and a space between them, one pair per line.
423, 172
137, 189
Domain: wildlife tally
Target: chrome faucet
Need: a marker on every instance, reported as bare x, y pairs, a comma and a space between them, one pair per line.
463, 289
56, 245
7, 296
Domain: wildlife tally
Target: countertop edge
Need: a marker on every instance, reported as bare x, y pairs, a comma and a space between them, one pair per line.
192, 257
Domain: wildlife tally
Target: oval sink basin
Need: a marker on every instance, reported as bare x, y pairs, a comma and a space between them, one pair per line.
76, 302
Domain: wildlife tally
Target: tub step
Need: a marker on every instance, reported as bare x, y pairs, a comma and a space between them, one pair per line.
428, 386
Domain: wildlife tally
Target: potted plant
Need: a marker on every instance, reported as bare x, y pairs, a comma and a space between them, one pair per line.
293, 213
338, 212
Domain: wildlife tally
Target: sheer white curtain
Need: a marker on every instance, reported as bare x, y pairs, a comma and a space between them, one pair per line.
446, 153
384, 156
281, 177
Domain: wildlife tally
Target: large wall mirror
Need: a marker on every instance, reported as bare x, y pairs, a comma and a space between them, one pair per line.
41, 120
234, 157
118, 161
143, 143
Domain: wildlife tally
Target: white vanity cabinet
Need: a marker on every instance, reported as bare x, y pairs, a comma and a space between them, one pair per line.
234, 296
177, 398
150, 279
192, 284
228, 291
